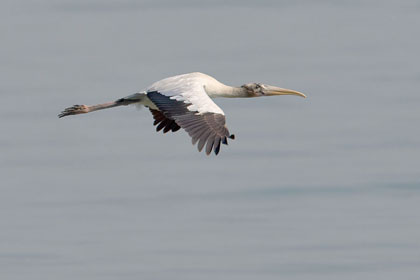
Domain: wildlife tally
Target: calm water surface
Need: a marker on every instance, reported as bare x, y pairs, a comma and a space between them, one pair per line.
326, 187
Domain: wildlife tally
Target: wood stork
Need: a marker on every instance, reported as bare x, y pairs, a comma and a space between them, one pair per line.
185, 101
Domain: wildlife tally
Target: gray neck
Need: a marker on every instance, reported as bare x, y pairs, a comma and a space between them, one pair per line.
221, 90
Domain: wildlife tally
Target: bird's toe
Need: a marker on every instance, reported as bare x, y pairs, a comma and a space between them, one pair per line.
74, 110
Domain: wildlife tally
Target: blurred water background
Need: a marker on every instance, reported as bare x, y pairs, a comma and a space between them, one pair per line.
326, 187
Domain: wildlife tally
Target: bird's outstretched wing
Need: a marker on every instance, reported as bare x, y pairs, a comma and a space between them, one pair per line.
184, 100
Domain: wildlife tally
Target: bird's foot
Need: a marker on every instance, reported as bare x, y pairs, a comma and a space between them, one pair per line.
74, 110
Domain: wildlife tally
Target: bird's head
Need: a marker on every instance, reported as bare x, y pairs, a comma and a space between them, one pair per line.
258, 89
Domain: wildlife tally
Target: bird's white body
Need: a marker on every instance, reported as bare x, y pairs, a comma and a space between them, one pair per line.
196, 89
185, 101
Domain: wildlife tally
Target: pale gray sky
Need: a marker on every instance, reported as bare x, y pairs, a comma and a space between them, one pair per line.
322, 187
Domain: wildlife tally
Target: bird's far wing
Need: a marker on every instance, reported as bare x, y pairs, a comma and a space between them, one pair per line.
162, 122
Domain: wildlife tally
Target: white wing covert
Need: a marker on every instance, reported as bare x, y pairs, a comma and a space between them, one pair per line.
188, 88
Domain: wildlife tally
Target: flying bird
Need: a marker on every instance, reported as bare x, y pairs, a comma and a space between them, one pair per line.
185, 101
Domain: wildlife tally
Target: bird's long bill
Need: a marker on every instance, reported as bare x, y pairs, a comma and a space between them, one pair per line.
272, 90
